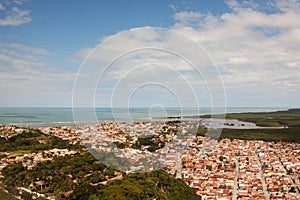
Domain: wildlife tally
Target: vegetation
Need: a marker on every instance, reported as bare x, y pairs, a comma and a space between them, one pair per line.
285, 134
290, 118
5, 196
61, 175
201, 131
151, 185
78, 177
33, 140
149, 142
81, 176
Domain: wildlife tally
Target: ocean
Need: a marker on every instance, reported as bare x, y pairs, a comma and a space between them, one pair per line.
41, 117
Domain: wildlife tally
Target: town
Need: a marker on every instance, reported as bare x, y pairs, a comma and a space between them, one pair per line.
217, 168
241, 169
228, 169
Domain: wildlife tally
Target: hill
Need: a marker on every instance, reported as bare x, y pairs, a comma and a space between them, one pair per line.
81, 176
78, 176
151, 185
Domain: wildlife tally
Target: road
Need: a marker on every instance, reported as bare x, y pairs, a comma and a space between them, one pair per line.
235, 186
267, 195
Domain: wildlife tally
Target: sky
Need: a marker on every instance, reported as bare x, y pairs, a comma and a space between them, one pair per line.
118, 53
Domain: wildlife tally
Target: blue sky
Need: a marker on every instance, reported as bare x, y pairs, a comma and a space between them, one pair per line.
56, 25
254, 47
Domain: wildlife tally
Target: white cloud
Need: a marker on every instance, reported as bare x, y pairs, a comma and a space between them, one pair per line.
29, 49
256, 51
173, 7
255, 47
143, 56
27, 80
19, 2
238, 60
287, 5
22, 56
188, 17
2, 7
13, 15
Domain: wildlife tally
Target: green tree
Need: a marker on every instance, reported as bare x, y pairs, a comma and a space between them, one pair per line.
26, 196
83, 191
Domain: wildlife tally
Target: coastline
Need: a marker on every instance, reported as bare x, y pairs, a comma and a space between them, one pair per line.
126, 147
42, 117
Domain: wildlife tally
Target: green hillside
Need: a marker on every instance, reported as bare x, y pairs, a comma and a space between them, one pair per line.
81, 176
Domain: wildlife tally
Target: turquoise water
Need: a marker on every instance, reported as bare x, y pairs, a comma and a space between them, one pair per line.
38, 117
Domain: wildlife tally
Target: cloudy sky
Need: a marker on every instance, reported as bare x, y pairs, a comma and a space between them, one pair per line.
150, 53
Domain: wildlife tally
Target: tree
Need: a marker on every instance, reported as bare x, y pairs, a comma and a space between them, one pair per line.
26, 196
83, 191
221, 158
201, 131
292, 190
151, 185
233, 165
12, 190
209, 167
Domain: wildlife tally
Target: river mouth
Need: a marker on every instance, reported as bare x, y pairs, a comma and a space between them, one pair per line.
233, 124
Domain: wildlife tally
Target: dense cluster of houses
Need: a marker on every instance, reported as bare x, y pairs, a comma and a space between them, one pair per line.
102, 138
241, 169
8, 131
29, 160
69, 133
224, 169
218, 169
